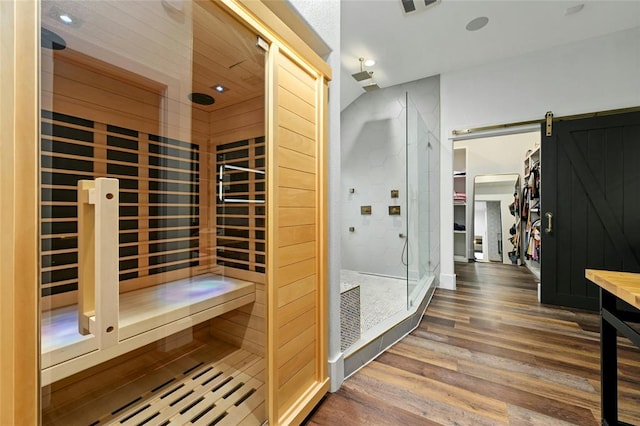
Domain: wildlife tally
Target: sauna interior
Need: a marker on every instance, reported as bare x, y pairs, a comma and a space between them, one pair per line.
153, 215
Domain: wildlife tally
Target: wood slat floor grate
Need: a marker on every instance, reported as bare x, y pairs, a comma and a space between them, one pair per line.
204, 382
218, 393
488, 354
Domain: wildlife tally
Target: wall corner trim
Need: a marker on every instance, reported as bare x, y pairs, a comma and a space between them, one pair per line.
447, 281
336, 372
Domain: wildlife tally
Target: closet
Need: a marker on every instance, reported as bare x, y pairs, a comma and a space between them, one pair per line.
170, 222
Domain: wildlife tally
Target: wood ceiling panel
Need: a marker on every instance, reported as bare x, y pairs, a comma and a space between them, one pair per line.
186, 51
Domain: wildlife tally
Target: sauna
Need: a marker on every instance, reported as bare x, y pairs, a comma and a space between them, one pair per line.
181, 215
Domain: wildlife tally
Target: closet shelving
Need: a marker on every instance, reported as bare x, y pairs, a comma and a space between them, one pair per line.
460, 204
530, 212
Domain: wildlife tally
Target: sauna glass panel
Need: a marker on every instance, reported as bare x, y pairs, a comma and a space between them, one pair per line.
152, 290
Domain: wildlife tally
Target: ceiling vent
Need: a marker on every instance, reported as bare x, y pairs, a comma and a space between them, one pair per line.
410, 6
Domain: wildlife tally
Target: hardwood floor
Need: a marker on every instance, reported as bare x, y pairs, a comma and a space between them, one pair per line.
488, 354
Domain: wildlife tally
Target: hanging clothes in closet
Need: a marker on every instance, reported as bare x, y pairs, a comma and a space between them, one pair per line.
531, 213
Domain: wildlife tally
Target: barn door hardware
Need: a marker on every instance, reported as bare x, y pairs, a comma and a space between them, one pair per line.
549, 123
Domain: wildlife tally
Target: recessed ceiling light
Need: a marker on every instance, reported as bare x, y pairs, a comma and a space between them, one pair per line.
574, 9
220, 88
477, 23
369, 63
66, 19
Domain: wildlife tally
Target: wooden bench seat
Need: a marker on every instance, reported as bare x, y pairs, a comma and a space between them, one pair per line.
145, 315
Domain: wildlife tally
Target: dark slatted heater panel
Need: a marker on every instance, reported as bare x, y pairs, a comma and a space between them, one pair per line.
122, 163
240, 208
67, 151
159, 199
173, 205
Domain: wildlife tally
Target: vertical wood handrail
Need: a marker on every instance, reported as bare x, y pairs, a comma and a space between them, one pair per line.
98, 295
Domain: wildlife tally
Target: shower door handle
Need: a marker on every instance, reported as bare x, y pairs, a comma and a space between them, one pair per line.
98, 277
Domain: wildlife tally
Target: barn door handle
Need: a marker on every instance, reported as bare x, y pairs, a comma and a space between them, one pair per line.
549, 217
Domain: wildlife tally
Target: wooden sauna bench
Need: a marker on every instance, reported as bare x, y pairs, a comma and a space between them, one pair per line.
146, 315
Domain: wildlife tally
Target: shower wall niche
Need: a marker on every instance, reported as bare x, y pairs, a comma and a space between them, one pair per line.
181, 216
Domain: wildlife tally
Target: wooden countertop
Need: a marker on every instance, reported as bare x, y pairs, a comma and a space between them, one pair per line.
624, 285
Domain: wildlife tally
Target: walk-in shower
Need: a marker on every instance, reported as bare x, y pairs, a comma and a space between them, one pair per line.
389, 206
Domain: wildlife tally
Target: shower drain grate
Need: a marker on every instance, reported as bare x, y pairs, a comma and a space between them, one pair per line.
219, 393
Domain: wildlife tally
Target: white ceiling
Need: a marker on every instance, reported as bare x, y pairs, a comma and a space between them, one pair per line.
435, 41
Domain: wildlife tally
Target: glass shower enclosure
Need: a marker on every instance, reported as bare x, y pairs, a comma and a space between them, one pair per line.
387, 241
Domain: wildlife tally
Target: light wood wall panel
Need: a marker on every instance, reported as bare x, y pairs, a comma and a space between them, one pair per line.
78, 85
297, 235
296, 290
244, 120
244, 327
296, 271
297, 373
19, 351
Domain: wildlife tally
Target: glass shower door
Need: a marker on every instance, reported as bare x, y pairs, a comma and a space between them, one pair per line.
419, 142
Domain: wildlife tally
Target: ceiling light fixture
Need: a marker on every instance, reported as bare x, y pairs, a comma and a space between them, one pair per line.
477, 23
369, 63
220, 88
66, 19
363, 74
573, 9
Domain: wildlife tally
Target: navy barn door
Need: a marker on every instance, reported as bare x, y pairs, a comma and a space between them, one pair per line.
590, 198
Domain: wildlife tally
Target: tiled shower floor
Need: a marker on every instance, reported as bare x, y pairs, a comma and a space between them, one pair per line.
380, 297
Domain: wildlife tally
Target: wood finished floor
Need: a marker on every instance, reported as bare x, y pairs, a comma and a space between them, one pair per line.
488, 354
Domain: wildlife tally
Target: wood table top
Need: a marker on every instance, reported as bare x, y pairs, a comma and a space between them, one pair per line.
624, 285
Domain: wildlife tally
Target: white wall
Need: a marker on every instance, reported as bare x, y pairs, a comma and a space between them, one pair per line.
373, 163
592, 75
